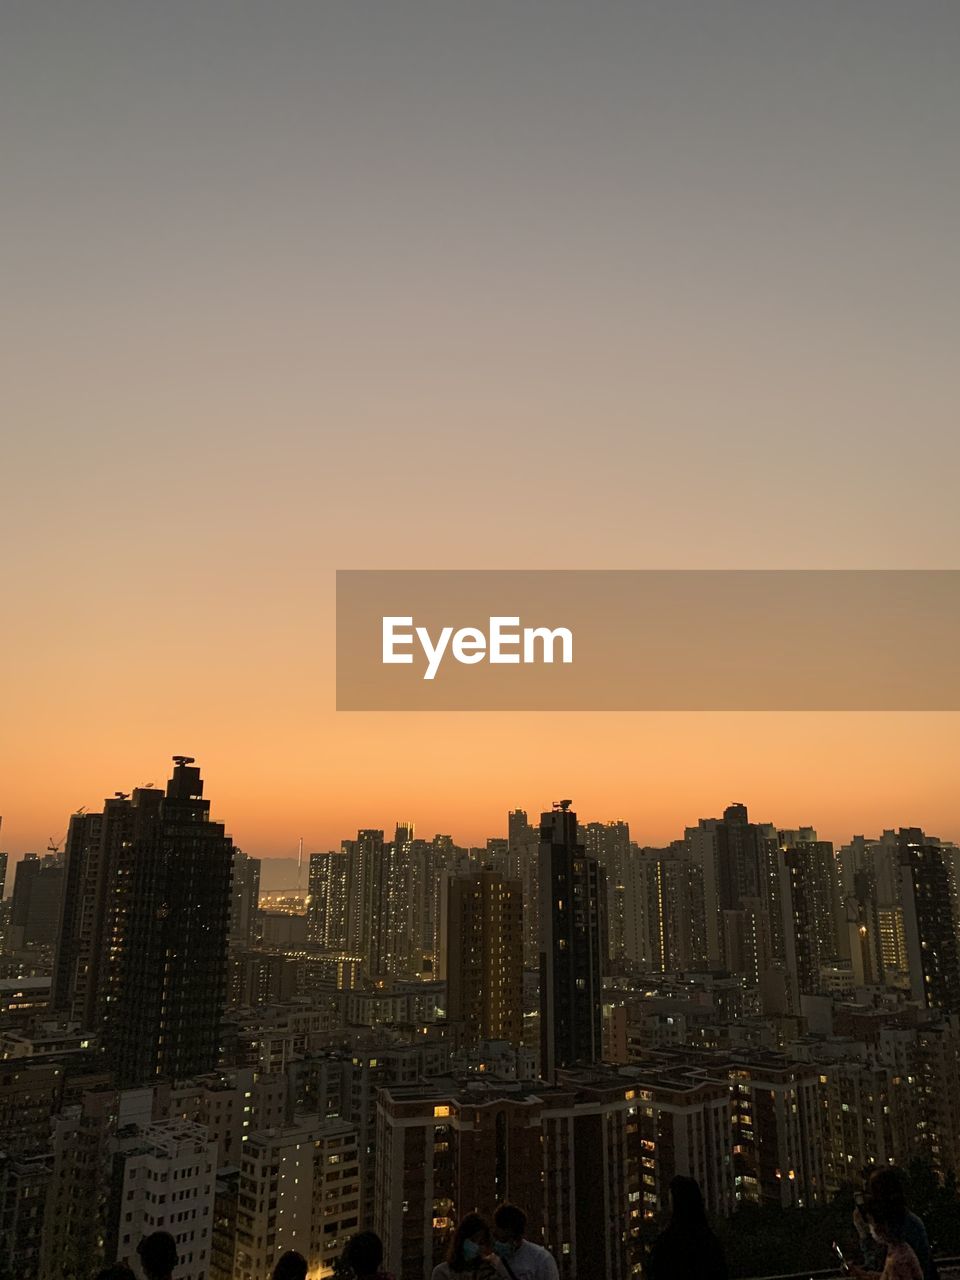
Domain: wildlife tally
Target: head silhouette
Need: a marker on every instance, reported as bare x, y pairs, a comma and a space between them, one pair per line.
364, 1254
888, 1191
686, 1202
884, 1220
509, 1223
158, 1255
291, 1266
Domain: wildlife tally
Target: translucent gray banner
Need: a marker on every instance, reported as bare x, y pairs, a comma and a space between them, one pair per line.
644, 640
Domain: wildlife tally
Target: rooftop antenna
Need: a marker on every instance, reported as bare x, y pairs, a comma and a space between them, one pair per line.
300, 865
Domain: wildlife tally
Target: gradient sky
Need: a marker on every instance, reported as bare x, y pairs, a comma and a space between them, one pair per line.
297, 286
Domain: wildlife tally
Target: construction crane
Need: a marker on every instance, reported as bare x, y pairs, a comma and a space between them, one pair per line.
54, 846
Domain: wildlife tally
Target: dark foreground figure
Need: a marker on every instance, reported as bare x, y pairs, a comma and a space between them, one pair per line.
687, 1249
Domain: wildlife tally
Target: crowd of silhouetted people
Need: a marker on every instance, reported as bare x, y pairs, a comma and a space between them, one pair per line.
893, 1242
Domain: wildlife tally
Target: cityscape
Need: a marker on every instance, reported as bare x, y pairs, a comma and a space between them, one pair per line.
354, 351
415, 1030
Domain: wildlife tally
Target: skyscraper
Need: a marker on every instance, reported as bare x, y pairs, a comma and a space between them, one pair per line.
380, 909
524, 864
738, 864
142, 953
571, 922
35, 909
245, 896
609, 843
663, 910
928, 923
810, 902
485, 956
329, 896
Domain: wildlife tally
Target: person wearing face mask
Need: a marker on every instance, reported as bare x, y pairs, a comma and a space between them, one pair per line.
521, 1258
900, 1260
886, 1194
471, 1254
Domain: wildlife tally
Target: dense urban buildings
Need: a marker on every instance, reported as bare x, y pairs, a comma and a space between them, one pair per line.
564, 1017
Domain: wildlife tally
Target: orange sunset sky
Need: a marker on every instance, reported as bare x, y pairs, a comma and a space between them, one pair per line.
293, 288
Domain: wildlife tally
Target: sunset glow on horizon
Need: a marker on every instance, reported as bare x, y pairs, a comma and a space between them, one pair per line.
674, 290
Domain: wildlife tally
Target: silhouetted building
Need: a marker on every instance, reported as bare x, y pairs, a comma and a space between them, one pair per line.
928, 923
35, 910
142, 955
810, 901
245, 897
571, 922
523, 861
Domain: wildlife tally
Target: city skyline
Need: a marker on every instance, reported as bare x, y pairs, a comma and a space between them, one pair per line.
434, 1030
651, 822
299, 289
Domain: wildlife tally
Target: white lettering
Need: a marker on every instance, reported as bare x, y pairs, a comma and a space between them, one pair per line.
434, 654
470, 645
391, 640
532, 634
499, 637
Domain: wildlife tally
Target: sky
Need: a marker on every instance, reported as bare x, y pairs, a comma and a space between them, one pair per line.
297, 287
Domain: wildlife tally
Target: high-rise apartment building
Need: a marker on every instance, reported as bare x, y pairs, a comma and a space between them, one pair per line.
442, 1153
523, 855
328, 902
35, 909
572, 908
731, 853
484, 960
142, 952
609, 843
299, 1189
810, 903
664, 929
929, 927
776, 1118
367, 919
164, 1176
24, 1183
245, 899
82, 1202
